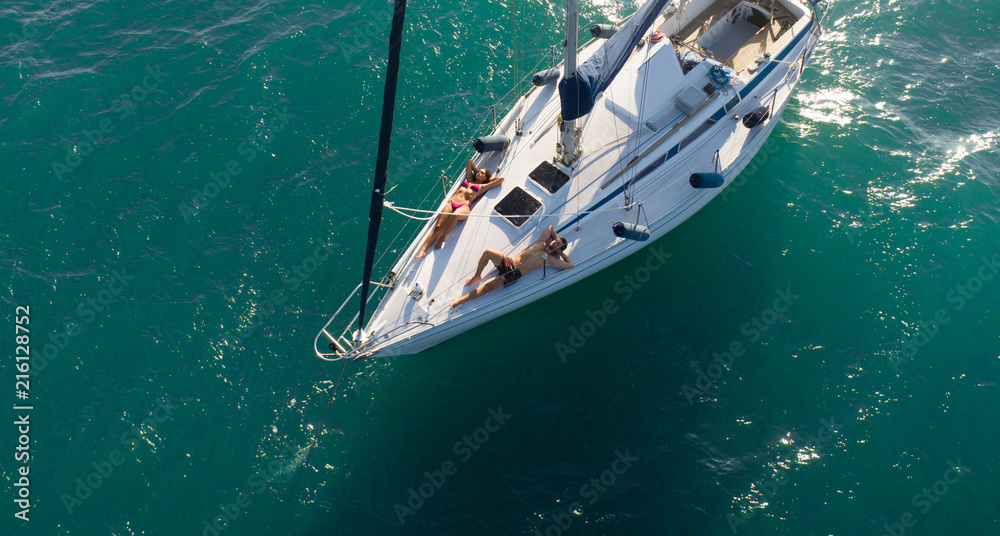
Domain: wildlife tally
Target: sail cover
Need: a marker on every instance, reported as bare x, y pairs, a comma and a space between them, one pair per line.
595, 75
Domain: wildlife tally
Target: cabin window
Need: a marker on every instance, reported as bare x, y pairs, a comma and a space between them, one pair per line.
732, 103
650, 168
518, 206
697, 132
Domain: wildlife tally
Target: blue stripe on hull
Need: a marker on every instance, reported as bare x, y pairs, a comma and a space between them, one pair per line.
721, 112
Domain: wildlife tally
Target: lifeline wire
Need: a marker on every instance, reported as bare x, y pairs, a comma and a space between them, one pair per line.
397, 210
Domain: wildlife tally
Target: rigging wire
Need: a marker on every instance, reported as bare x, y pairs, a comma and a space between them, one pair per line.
460, 281
642, 110
630, 185
399, 210
614, 106
513, 24
662, 187
514, 90
455, 160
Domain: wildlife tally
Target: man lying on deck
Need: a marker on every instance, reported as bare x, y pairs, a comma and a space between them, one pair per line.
549, 245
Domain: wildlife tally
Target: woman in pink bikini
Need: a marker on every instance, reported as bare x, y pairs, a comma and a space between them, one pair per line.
477, 182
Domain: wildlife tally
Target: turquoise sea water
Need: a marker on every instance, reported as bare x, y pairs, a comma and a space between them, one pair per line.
184, 198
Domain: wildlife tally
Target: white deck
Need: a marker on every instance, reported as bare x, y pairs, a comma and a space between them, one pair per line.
636, 116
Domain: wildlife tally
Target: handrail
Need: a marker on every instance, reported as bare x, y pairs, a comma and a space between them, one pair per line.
330, 337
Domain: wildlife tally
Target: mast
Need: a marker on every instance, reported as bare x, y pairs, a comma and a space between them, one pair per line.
382, 159
583, 84
568, 147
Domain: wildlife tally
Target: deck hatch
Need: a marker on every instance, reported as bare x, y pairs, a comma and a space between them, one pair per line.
549, 177
518, 206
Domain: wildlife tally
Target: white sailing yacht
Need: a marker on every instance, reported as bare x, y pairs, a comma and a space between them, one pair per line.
635, 132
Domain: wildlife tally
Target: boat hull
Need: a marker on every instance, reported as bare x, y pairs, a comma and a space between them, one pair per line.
654, 169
